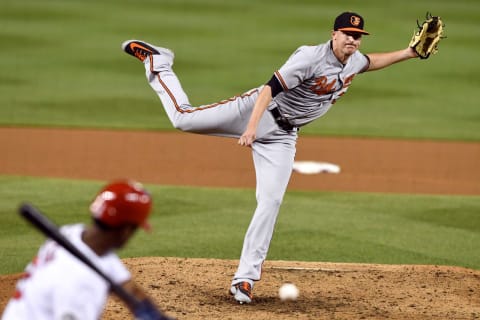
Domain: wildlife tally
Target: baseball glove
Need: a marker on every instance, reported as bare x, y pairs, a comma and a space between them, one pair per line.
425, 40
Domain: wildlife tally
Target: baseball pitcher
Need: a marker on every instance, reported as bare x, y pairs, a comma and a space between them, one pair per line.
267, 118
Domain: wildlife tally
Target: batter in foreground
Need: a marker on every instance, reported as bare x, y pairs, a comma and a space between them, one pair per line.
56, 285
267, 118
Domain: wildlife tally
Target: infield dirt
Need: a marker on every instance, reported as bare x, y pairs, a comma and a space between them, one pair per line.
197, 288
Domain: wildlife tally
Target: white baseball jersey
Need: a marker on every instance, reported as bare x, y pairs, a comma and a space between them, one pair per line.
57, 285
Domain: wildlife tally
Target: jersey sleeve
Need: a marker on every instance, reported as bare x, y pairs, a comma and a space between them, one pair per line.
117, 270
367, 63
296, 69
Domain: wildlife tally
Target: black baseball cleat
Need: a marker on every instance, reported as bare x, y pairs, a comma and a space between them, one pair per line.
142, 50
139, 49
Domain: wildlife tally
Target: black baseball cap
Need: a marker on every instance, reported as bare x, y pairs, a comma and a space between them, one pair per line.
349, 21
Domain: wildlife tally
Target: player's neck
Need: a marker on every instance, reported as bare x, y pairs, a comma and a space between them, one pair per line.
343, 59
92, 239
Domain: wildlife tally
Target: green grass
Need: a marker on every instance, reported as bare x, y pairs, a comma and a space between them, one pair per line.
210, 223
63, 66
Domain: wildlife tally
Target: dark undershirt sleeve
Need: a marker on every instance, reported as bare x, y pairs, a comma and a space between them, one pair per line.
368, 64
275, 85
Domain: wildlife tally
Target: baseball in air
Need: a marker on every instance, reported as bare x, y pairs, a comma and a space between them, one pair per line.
288, 292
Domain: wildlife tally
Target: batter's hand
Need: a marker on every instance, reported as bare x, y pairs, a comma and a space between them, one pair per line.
247, 138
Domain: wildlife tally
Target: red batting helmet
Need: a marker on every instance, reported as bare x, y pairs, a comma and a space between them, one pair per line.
122, 202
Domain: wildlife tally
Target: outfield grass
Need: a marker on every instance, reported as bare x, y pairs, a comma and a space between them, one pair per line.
209, 222
63, 65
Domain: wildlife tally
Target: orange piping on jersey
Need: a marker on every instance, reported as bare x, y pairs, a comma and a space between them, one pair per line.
172, 97
282, 82
169, 93
150, 57
228, 100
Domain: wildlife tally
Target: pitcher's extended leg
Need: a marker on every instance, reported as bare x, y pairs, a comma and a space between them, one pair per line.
226, 118
273, 159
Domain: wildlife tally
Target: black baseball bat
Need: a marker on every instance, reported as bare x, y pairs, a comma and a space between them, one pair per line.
49, 229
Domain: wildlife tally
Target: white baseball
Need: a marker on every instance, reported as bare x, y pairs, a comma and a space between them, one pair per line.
288, 291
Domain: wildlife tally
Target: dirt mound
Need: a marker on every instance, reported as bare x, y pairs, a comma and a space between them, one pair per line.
198, 289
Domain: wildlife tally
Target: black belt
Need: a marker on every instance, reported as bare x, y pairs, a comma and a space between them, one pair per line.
282, 122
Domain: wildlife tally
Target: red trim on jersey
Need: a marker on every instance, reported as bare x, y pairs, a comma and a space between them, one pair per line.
17, 295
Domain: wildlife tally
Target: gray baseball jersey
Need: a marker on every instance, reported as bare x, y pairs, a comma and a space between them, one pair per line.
312, 79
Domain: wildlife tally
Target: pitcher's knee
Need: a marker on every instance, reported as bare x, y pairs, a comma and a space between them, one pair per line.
272, 202
178, 125
183, 120
183, 126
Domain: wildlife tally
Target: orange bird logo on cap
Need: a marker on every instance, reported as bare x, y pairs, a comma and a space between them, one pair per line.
355, 21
